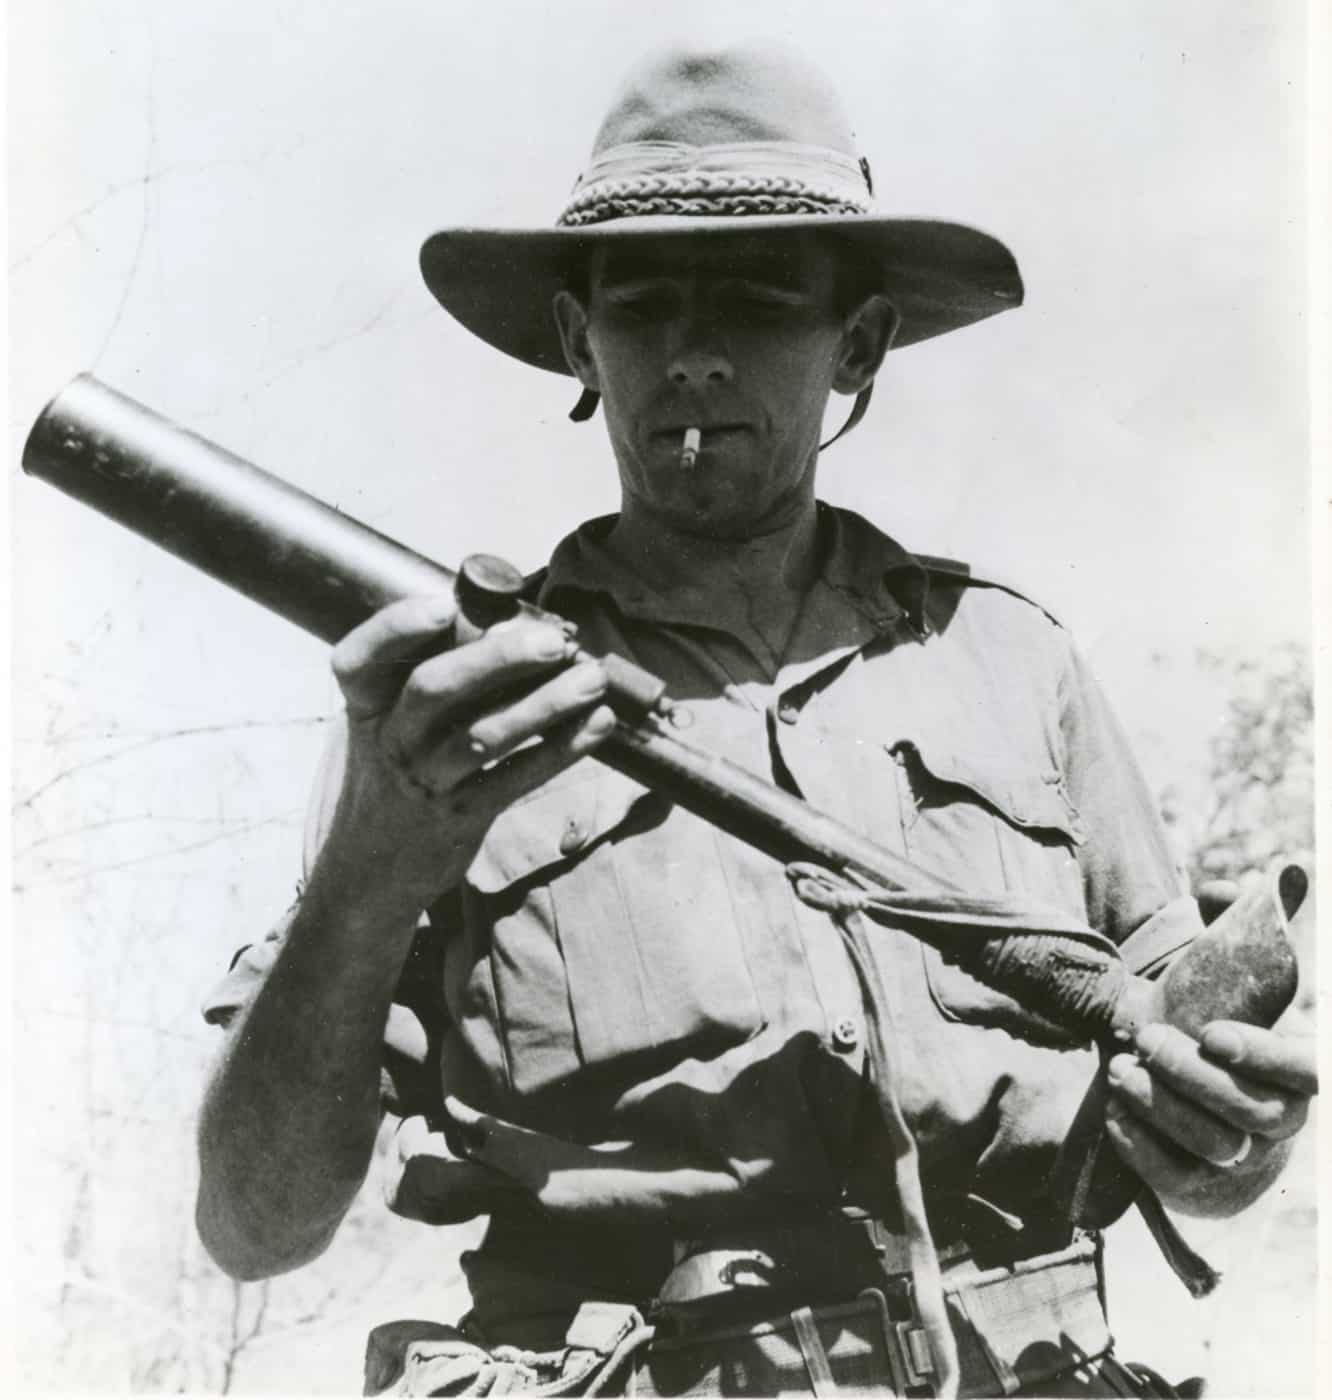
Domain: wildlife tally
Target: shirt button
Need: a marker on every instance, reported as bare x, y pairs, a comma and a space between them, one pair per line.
846, 1034
788, 712
572, 837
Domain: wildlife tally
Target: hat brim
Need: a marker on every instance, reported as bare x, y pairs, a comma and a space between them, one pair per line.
500, 282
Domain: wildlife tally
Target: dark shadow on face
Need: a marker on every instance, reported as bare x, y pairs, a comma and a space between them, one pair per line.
739, 336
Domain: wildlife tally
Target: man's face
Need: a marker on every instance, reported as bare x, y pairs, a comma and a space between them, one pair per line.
738, 337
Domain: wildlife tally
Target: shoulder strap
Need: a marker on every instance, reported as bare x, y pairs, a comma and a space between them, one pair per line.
959, 572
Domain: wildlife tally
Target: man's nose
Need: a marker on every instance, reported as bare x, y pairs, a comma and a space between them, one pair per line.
700, 357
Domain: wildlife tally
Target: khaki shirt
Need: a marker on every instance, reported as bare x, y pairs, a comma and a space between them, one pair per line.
614, 968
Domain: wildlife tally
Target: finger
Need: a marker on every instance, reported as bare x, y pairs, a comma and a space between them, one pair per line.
1288, 1060
1159, 1163
1250, 1105
372, 660
481, 1135
466, 1129
443, 1190
525, 1155
1172, 1116
494, 735
547, 713
444, 688
520, 773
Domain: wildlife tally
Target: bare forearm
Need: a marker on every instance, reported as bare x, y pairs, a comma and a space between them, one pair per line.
430, 759
289, 1122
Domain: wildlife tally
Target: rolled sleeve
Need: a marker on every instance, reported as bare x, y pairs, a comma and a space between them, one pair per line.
246, 974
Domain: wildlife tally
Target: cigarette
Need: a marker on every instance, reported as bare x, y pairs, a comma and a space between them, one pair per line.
693, 439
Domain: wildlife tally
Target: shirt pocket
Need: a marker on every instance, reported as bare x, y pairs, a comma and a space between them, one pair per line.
613, 936
991, 827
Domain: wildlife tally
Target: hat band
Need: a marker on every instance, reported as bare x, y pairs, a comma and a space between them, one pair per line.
736, 179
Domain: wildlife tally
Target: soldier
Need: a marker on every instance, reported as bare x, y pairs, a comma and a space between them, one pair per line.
726, 1145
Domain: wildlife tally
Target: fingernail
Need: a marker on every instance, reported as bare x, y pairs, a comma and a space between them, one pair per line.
1150, 1039
443, 609
1224, 1043
1119, 1068
600, 722
552, 646
591, 680
1119, 1128
467, 1122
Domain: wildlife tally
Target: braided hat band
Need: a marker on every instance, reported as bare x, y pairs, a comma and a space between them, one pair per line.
731, 179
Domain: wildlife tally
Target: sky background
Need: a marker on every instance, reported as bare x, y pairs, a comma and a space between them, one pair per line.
217, 207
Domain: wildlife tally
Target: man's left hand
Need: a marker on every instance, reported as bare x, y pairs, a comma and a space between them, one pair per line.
1208, 1123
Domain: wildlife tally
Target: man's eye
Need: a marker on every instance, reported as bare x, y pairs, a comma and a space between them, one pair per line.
756, 297
642, 304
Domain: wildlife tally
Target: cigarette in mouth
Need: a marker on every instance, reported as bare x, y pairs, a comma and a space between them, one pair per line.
693, 439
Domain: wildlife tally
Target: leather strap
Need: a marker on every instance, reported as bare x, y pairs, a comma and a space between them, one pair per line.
585, 407
858, 410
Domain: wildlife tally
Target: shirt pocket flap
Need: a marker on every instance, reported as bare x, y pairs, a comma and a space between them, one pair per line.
993, 822
1031, 799
554, 825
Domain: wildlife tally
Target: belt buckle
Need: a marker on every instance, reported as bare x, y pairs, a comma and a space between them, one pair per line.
908, 1345
889, 1246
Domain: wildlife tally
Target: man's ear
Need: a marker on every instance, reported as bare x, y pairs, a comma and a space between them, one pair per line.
571, 320
867, 335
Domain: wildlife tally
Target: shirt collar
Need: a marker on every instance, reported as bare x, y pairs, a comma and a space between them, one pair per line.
862, 565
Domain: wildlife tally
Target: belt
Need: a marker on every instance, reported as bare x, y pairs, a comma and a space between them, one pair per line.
826, 1259
1015, 1326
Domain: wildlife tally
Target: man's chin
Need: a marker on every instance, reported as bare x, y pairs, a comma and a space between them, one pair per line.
715, 517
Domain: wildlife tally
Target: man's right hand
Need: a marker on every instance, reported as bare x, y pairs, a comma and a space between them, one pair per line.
439, 740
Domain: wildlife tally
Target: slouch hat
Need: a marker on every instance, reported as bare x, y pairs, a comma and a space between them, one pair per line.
698, 144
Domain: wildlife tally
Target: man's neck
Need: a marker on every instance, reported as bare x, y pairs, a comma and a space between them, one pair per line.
758, 584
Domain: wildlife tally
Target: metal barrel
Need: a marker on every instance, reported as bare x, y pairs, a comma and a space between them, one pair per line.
327, 573
258, 534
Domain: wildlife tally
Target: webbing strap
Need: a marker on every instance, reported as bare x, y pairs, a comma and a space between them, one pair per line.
811, 1348
1051, 963
858, 410
926, 1276
585, 407
590, 398
1193, 1271
967, 1302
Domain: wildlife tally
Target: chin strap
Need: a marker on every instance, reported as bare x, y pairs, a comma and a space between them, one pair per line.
585, 407
590, 398
857, 413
